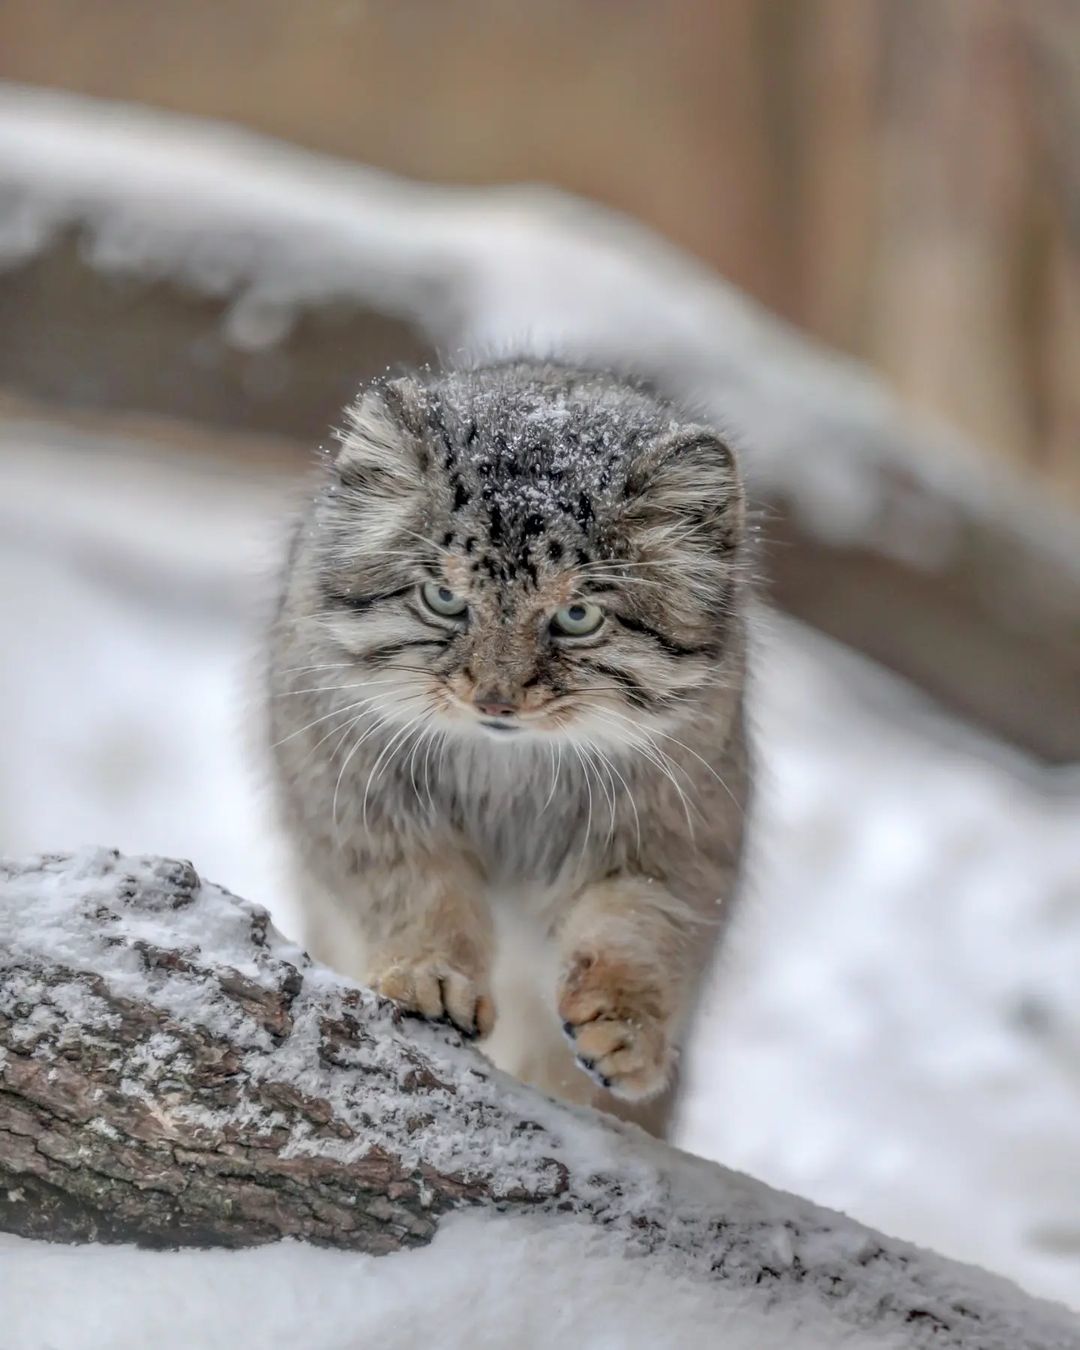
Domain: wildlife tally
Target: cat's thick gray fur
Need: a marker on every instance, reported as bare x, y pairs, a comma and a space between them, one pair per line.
561, 888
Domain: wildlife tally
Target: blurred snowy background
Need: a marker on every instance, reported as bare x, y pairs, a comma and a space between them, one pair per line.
896, 1029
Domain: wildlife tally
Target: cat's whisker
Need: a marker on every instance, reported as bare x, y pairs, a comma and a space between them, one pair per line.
377, 726
560, 701
427, 734
345, 764
413, 739
337, 712
656, 757
400, 553
705, 763
382, 721
388, 749
369, 712
333, 688
433, 738
691, 751
611, 768
556, 765
614, 768
588, 788
412, 765
419, 670
333, 732
608, 788
345, 734
326, 665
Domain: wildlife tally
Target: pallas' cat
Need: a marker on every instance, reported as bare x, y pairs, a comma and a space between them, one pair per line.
506, 706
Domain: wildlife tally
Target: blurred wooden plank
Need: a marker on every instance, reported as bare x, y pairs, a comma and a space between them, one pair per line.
76, 336
897, 176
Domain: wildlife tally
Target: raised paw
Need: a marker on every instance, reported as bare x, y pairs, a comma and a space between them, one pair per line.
430, 986
614, 1016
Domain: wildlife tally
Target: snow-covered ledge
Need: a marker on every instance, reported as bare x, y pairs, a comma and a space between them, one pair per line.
175, 1073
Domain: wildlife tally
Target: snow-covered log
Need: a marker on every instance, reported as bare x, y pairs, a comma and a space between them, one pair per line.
173, 1072
149, 262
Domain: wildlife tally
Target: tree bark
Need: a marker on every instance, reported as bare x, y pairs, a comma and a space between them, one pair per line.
175, 1073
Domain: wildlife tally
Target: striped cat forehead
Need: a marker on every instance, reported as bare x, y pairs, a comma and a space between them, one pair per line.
532, 468
490, 547
517, 501
526, 471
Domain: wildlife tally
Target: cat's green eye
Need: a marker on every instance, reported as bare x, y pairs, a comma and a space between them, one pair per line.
442, 600
577, 620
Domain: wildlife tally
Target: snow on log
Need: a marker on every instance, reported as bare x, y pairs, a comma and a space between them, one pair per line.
175, 1073
158, 263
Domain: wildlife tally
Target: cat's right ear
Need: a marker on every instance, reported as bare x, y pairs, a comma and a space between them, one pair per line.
380, 447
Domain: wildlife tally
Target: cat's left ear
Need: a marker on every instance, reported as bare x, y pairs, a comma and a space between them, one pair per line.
688, 477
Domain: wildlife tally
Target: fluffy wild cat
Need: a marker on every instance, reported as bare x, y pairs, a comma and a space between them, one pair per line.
506, 707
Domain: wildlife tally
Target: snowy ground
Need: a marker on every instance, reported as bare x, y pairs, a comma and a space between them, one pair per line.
485, 1283
896, 1031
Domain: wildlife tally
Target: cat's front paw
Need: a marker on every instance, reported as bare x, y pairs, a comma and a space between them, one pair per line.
430, 986
614, 1016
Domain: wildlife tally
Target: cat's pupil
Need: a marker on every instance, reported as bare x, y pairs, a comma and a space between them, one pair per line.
445, 596
576, 613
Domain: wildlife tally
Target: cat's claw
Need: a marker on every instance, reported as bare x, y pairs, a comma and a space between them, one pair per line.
436, 990
618, 1037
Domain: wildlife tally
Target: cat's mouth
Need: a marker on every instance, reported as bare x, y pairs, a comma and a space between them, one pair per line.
500, 726
541, 721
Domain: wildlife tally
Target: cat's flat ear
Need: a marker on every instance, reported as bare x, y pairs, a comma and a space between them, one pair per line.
380, 447
688, 480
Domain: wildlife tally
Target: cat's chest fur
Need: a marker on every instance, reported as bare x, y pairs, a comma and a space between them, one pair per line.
534, 819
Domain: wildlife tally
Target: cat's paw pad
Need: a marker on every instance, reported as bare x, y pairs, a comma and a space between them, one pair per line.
612, 1014
436, 990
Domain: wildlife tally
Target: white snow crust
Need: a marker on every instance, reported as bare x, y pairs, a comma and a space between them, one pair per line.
485, 1283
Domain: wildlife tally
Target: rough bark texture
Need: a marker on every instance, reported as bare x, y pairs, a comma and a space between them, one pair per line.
153, 264
123, 1119
173, 1072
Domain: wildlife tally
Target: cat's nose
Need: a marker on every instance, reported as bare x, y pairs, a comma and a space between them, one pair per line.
494, 703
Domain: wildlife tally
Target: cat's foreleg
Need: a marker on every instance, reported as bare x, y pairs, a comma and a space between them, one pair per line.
417, 929
629, 961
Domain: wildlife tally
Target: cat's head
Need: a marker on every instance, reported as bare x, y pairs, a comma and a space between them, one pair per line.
524, 551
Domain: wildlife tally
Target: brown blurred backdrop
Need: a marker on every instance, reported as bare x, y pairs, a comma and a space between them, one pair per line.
899, 177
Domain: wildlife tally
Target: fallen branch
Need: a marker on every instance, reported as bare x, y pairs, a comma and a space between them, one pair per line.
174, 1073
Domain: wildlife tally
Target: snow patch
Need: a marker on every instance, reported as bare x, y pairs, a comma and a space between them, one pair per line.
484, 1283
